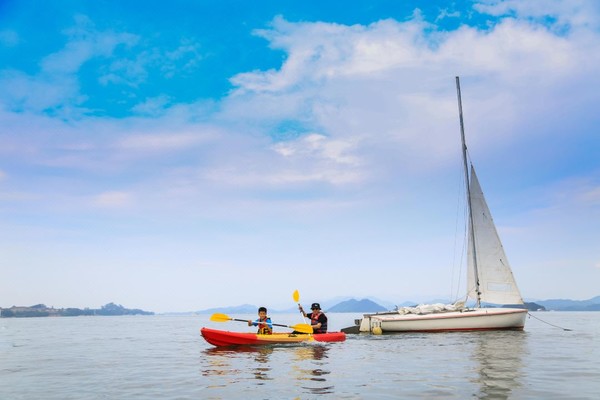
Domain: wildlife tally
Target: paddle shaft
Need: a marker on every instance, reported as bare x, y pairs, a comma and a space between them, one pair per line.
245, 320
302, 328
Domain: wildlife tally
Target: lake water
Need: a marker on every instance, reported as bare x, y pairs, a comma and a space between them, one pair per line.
164, 357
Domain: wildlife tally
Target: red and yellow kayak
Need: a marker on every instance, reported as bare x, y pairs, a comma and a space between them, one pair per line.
226, 338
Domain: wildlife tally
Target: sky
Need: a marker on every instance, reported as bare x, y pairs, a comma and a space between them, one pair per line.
179, 156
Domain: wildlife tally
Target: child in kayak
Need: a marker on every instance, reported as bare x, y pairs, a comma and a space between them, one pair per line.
265, 327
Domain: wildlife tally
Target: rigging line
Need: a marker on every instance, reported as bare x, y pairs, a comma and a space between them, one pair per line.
459, 201
556, 326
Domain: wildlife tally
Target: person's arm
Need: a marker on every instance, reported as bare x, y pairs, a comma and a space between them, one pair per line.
322, 320
301, 310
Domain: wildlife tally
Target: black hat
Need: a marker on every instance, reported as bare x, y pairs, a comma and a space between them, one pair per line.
315, 306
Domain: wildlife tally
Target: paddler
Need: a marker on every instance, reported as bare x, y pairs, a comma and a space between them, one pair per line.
265, 326
318, 320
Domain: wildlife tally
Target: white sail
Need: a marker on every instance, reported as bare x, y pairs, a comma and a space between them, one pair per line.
496, 282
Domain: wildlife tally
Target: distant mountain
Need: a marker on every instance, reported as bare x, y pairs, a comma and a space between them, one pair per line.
592, 304
531, 306
327, 304
352, 305
368, 305
528, 306
242, 309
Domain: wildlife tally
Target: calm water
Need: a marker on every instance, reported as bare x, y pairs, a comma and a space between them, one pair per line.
164, 357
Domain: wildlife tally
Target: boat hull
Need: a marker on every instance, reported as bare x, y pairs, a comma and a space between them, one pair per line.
226, 338
479, 319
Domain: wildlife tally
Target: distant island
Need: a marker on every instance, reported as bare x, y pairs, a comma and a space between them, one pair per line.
41, 310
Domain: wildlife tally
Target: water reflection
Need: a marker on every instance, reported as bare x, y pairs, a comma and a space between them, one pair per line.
220, 361
311, 360
499, 358
261, 357
305, 365
314, 352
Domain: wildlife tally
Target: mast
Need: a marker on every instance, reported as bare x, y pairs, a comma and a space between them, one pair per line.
471, 227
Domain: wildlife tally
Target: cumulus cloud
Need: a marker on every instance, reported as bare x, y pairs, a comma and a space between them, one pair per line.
348, 103
575, 13
391, 85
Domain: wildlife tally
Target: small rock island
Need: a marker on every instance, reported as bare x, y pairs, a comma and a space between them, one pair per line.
41, 310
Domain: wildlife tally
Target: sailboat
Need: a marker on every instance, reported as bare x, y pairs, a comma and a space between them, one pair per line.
489, 278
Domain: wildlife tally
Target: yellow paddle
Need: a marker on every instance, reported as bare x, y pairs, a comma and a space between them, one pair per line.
296, 297
302, 328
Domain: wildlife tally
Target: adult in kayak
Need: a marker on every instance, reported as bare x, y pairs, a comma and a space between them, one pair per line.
318, 320
265, 326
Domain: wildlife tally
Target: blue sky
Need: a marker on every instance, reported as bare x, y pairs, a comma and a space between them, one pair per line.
186, 155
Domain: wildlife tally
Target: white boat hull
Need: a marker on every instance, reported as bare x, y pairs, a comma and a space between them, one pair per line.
478, 319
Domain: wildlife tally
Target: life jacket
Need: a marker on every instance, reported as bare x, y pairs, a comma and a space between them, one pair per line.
314, 318
263, 327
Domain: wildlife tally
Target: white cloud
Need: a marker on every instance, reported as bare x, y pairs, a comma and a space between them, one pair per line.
361, 94
56, 86
164, 142
85, 42
38, 93
574, 13
359, 90
153, 106
319, 146
113, 199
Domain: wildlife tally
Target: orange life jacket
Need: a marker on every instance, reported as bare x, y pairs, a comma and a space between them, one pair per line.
263, 327
314, 318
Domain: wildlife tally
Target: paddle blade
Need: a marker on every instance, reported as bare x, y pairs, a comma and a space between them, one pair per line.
296, 296
303, 328
218, 317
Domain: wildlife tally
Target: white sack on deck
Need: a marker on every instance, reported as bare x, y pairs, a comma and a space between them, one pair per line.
431, 308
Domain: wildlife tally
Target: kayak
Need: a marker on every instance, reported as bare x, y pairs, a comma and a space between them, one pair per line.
226, 338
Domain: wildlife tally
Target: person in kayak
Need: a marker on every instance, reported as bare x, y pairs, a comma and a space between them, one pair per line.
318, 320
265, 326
